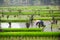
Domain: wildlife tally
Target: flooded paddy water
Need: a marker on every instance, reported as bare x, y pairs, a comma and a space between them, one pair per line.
47, 23
23, 25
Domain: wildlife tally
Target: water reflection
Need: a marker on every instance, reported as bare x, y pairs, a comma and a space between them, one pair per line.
23, 25
13, 25
4, 25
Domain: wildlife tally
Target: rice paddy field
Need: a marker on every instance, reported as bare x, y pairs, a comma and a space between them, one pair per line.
23, 13
18, 16
29, 36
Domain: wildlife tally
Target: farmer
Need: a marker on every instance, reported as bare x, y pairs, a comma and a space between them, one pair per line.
51, 26
14, 15
27, 24
19, 11
53, 20
56, 21
0, 30
2, 14
31, 19
0, 24
50, 11
7, 16
38, 12
9, 24
40, 24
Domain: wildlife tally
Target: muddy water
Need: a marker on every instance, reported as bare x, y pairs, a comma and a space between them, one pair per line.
23, 25
13, 25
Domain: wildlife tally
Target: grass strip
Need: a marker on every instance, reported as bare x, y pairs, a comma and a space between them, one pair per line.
30, 34
21, 29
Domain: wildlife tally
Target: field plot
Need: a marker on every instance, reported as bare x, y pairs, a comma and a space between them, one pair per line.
29, 38
29, 35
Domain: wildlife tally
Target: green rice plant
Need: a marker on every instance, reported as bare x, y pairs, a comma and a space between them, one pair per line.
14, 20
41, 34
29, 38
22, 29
